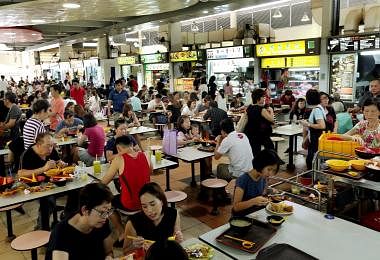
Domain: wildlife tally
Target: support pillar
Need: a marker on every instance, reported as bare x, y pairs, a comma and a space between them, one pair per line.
65, 52
175, 37
103, 47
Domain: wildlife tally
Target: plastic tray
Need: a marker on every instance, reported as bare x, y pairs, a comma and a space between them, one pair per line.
259, 233
282, 252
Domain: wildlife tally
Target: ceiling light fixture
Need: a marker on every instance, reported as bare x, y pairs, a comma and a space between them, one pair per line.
194, 27
305, 17
71, 5
277, 13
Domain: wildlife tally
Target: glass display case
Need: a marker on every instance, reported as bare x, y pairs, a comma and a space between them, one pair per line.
343, 71
300, 80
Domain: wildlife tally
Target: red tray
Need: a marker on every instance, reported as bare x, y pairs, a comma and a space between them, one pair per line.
259, 233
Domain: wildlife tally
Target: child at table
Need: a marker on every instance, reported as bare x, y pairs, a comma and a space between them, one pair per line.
195, 131
251, 186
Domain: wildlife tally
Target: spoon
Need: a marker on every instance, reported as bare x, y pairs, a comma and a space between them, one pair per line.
245, 243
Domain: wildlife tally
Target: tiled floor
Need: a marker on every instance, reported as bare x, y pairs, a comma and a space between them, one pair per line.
195, 215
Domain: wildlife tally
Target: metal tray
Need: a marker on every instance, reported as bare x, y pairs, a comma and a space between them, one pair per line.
259, 233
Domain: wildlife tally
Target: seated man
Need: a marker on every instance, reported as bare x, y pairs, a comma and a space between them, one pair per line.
120, 130
86, 235
68, 125
133, 170
236, 147
216, 115
37, 159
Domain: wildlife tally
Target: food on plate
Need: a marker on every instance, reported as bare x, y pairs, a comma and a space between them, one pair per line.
199, 251
338, 165
10, 192
373, 166
281, 207
353, 174
53, 172
60, 171
68, 170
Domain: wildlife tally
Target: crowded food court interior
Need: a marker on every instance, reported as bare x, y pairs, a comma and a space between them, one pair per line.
189, 129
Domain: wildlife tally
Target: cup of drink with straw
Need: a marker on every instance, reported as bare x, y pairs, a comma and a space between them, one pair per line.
97, 166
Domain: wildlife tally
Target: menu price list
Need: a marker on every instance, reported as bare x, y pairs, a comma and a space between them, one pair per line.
354, 43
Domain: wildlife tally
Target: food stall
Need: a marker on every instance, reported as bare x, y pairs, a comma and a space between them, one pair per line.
77, 69
187, 65
236, 62
156, 67
354, 62
92, 69
130, 65
292, 65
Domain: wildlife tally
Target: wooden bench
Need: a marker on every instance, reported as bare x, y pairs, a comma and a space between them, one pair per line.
31, 241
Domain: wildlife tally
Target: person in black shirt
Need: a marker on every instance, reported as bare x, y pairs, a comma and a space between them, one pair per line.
212, 87
175, 108
87, 234
216, 115
156, 222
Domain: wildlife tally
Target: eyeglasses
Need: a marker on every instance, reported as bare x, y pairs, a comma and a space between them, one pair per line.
104, 214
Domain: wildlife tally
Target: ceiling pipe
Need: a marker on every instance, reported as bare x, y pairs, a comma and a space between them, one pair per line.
335, 17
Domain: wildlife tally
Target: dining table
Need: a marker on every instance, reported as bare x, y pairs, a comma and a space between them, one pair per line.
65, 141
141, 130
290, 130
313, 232
191, 154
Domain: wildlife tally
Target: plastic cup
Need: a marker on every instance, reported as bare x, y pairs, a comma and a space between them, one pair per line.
97, 167
158, 155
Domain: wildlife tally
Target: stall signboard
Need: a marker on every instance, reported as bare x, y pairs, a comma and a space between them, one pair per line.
183, 56
305, 47
225, 53
127, 60
91, 63
273, 63
76, 64
354, 43
302, 62
157, 66
153, 58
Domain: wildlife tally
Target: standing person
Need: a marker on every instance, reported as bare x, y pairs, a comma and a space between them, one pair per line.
35, 125
315, 125
57, 106
202, 88
331, 122
212, 87
3, 84
95, 136
156, 222
259, 125
133, 84
77, 92
117, 97
216, 115
228, 88
11, 124
86, 235
236, 147
220, 99
374, 91
94, 102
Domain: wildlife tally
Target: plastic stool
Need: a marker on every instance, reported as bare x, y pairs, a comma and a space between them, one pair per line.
215, 185
276, 140
31, 241
174, 196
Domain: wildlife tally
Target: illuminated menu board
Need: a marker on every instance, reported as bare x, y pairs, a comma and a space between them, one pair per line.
183, 56
354, 43
157, 66
127, 60
302, 61
154, 58
307, 47
272, 63
225, 53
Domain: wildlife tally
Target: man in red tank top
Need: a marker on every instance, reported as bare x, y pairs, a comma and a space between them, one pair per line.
133, 169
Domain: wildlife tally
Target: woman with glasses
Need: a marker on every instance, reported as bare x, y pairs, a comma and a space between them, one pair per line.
156, 222
86, 235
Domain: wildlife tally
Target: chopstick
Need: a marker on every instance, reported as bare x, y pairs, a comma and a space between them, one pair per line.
92, 176
147, 240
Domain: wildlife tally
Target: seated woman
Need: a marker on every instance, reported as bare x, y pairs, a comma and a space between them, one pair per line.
250, 187
189, 108
298, 111
94, 134
236, 103
156, 222
184, 135
86, 235
367, 132
129, 116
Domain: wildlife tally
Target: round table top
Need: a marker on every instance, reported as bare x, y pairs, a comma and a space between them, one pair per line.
155, 147
175, 196
31, 240
214, 183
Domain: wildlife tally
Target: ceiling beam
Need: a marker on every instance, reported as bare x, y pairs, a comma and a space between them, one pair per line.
83, 23
48, 28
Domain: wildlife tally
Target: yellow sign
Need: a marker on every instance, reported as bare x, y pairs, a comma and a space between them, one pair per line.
280, 48
183, 56
127, 60
272, 63
302, 61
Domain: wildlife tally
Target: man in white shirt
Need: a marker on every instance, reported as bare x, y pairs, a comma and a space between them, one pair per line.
236, 147
3, 84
